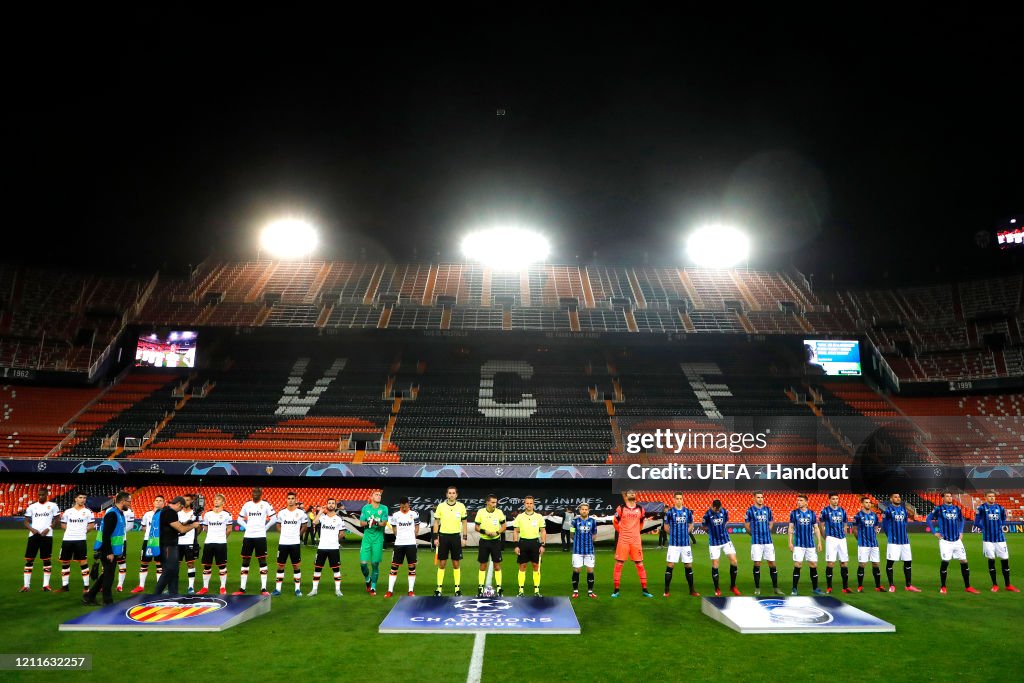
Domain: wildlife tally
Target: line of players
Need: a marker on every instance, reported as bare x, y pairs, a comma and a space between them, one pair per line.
450, 533
806, 531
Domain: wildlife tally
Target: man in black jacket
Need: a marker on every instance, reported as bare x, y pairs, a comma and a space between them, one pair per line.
170, 530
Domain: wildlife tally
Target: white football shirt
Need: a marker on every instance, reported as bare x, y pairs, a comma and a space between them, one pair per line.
216, 524
129, 520
405, 524
41, 516
187, 517
256, 516
77, 522
329, 528
291, 521
147, 519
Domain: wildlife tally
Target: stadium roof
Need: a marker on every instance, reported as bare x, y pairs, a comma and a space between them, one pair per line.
846, 150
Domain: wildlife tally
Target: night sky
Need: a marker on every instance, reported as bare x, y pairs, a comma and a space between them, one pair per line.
871, 148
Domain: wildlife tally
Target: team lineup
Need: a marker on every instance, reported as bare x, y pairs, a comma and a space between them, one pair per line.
172, 531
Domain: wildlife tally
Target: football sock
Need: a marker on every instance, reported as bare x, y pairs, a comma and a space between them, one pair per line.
122, 573
243, 575
590, 582
48, 567
280, 576
860, 577
316, 577
844, 572
143, 573
814, 578
412, 576
576, 581
440, 578
207, 573
297, 575
906, 573
391, 579
668, 578
828, 577
65, 574
689, 577
497, 578
757, 576
796, 577
223, 573
481, 576
965, 572
617, 574
263, 575
733, 571
641, 570
522, 578
365, 569
28, 572
943, 570
774, 571
192, 577
1005, 564
877, 573
85, 575
375, 574
457, 576
337, 577
888, 571
992, 571
714, 576
536, 579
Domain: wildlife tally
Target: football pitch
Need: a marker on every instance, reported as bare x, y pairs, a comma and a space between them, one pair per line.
971, 637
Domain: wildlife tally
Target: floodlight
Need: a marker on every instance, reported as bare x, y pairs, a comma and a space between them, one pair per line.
718, 246
289, 238
506, 248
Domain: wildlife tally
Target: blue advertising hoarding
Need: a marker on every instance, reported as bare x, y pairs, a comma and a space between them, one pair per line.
481, 615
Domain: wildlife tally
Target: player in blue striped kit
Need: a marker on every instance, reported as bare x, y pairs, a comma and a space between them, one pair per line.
759, 525
583, 529
833, 527
895, 516
678, 525
947, 522
866, 522
805, 542
990, 517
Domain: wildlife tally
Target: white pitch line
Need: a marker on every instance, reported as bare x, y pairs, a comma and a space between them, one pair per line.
476, 663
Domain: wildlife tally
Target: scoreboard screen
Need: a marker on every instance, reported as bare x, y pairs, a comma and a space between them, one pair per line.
166, 350
832, 357
1007, 239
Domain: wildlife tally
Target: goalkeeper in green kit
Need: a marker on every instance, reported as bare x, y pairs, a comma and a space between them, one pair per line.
373, 519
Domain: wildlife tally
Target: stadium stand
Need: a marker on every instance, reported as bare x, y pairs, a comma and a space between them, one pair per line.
32, 418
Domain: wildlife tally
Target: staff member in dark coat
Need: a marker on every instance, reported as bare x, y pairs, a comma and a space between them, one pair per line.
109, 546
170, 530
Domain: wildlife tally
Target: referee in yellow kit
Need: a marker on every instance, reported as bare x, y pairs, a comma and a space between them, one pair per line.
529, 531
451, 531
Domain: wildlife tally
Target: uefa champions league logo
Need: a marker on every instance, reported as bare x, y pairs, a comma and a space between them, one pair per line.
482, 605
783, 612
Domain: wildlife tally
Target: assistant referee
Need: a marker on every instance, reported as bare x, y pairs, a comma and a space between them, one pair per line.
451, 530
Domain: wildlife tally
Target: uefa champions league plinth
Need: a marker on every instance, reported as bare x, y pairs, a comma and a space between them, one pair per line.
792, 615
524, 616
172, 613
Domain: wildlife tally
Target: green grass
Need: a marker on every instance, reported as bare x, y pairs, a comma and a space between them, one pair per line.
628, 639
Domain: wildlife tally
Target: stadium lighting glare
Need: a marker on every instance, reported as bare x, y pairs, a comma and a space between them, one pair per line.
718, 246
289, 238
506, 248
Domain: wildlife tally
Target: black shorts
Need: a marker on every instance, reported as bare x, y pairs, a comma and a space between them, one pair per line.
490, 549
41, 545
529, 550
328, 558
188, 553
254, 547
289, 553
404, 553
124, 552
449, 546
73, 550
215, 553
